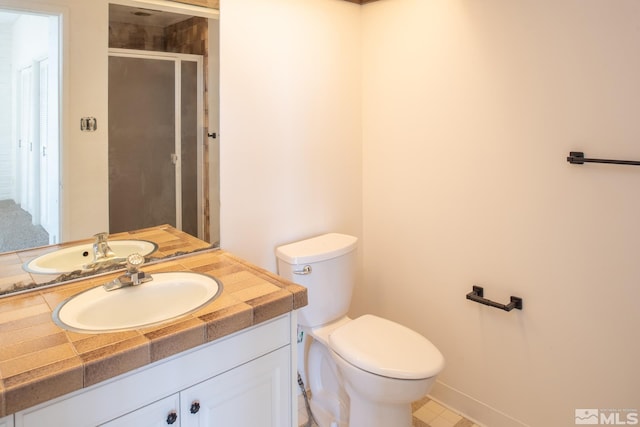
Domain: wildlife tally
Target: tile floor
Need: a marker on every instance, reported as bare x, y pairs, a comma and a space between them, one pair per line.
426, 413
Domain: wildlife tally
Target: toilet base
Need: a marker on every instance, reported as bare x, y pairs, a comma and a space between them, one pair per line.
328, 400
364, 413
323, 417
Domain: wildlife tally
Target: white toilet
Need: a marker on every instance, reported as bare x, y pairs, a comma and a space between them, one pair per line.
362, 372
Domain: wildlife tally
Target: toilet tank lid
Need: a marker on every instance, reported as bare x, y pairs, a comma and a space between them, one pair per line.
315, 249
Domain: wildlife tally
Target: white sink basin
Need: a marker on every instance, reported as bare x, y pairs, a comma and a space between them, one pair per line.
166, 297
73, 258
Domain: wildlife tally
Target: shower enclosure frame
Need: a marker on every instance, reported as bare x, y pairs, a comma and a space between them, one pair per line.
178, 59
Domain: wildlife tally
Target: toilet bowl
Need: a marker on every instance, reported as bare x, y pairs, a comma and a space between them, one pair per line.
362, 372
384, 367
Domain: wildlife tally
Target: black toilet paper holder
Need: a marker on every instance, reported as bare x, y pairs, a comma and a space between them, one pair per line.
477, 295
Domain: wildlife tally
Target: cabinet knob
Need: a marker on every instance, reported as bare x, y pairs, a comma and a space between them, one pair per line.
172, 417
195, 407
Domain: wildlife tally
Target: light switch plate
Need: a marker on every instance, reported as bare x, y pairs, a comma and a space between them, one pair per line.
88, 124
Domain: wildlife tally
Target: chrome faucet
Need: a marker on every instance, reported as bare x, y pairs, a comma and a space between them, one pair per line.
103, 255
133, 276
101, 249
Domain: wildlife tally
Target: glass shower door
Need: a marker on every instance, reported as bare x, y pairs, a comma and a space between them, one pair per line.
153, 144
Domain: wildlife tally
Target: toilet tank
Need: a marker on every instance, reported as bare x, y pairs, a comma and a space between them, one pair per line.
326, 266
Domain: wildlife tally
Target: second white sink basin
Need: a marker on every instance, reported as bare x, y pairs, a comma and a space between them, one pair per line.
66, 260
166, 297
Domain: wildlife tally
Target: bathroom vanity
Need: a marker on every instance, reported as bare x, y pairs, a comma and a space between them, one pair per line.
229, 363
242, 380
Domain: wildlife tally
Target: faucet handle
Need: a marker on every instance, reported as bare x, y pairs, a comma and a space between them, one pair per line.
132, 277
134, 262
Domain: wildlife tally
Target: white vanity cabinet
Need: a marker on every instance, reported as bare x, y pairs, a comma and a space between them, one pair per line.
250, 395
243, 380
6, 421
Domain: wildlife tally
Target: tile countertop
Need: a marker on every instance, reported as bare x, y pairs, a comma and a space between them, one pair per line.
40, 361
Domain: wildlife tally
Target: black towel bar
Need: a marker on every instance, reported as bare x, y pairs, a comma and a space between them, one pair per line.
477, 295
577, 158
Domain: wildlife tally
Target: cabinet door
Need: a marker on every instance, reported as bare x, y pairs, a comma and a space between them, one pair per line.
256, 394
6, 421
158, 414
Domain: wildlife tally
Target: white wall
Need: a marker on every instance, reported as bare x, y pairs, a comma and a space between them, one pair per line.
30, 35
469, 111
290, 135
85, 206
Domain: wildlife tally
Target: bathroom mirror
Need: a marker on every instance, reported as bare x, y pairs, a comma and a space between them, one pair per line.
129, 25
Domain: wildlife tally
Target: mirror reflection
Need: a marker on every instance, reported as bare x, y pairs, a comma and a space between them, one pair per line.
167, 241
162, 166
29, 137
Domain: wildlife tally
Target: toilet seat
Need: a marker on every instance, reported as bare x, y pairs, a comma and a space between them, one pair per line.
385, 348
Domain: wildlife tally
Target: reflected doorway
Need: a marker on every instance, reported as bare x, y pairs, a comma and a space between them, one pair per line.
29, 129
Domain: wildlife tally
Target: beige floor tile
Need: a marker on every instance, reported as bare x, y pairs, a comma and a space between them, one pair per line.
418, 423
451, 416
442, 422
435, 407
426, 414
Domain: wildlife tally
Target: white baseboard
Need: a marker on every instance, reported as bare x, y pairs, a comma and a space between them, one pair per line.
471, 408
